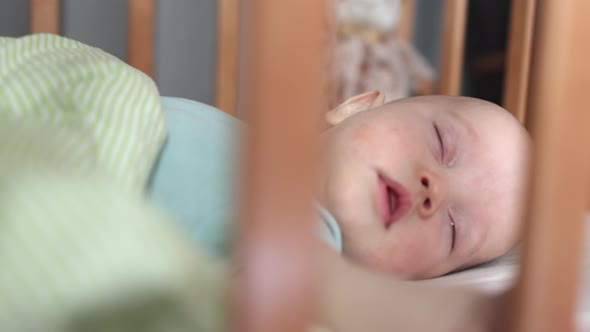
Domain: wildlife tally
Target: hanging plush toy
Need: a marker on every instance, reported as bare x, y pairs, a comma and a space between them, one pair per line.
370, 57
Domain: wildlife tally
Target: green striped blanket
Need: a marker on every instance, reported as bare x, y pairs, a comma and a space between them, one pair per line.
81, 248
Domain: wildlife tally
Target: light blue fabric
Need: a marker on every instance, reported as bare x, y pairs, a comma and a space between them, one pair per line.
194, 176
329, 230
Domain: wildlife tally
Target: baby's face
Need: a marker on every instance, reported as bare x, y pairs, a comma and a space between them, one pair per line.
423, 186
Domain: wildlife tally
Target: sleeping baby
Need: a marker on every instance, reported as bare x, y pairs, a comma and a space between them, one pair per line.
415, 188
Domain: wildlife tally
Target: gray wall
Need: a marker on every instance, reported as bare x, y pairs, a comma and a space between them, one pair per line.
100, 23
13, 17
185, 37
428, 29
186, 48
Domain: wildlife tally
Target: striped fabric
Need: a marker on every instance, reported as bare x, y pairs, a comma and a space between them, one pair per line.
81, 249
99, 115
80, 254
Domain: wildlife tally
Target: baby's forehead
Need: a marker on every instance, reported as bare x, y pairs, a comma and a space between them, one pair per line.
449, 103
469, 109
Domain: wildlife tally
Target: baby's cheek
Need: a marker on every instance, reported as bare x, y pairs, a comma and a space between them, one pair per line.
370, 141
364, 140
361, 134
399, 146
417, 259
404, 256
408, 143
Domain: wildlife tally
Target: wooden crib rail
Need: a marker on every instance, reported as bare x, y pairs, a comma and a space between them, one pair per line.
141, 35
405, 29
453, 45
281, 96
44, 16
549, 282
228, 35
518, 59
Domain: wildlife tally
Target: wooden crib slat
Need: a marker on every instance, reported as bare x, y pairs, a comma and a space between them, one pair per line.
453, 45
405, 29
228, 30
518, 59
141, 35
285, 46
548, 286
44, 16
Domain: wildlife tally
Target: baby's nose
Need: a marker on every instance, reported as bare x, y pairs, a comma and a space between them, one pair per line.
433, 193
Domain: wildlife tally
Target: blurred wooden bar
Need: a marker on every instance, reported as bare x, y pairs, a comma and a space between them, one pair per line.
520, 41
548, 286
453, 45
141, 36
44, 16
284, 58
405, 29
228, 34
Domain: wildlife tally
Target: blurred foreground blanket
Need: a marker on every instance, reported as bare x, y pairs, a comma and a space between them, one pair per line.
81, 248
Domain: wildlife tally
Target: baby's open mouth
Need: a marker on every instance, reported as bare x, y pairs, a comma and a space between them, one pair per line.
393, 199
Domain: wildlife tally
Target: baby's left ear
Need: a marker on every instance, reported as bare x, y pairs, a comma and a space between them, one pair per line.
354, 105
